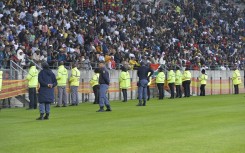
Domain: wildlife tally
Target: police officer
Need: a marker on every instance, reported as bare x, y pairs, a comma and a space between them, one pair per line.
104, 82
236, 78
32, 78
178, 83
47, 81
94, 82
62, 77
124, 81
143, 81
171, 81
186, 82
203, 80
74, 84
160, 79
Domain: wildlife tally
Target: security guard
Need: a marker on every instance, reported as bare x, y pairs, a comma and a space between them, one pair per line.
32, 78
1, 80
203, 80
236, 78
61, 78
186, 82
148, 86
104, 81
94, 82
171, 81
74, 84
143, 81
160, 79
178, 83
124, 81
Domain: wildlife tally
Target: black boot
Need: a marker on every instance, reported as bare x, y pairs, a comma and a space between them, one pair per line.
41, 117
140, 103
108, 108
46, 117
101, 109
144, 103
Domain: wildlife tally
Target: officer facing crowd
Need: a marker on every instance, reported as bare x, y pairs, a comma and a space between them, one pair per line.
171, 80
74, 84
124, 82
160, 79
203, 80
143, 81
94, 82
178, 83
32, 78
187, 82
236, 78
104, 81
62, 77
47, 81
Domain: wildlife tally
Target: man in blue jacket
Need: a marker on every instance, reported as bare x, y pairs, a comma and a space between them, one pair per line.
143, 81
104, 81
47, 81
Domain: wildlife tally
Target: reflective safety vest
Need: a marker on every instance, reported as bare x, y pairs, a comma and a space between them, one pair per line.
150, 79
178, 78
32, 77
62, 76
186, 76
124, 80
171, 76
160, 77
236, 77
1, 80
75, 77
95, 80
203, 78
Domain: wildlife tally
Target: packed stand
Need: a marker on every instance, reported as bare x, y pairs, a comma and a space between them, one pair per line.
197, 34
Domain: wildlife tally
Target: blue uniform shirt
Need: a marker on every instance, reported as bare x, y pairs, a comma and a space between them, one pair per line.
104, 77
143, 72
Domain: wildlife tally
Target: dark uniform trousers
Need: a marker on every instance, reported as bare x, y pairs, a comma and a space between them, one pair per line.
202, 89
160, 90
33, 98
236, 89
171, 87
96, 90
186, 85
178, 91
125, 94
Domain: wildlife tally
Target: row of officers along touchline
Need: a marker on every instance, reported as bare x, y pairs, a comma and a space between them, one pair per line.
100, 82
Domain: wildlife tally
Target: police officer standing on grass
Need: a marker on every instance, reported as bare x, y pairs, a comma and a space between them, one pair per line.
32, 79
186, 82
104, 81
62, 77
74, 84
160, 79
94, 82
143, 81
203, 80
178, 83
171, 81
236, 78
47, 81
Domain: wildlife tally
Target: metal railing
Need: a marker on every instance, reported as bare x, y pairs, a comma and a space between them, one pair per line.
16, 71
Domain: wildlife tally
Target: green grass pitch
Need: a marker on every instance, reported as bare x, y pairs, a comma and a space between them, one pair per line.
211, 124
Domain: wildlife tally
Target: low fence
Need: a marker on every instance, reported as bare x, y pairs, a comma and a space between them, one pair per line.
218, 83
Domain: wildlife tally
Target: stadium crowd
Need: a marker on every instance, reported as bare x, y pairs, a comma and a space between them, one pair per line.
195, 34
